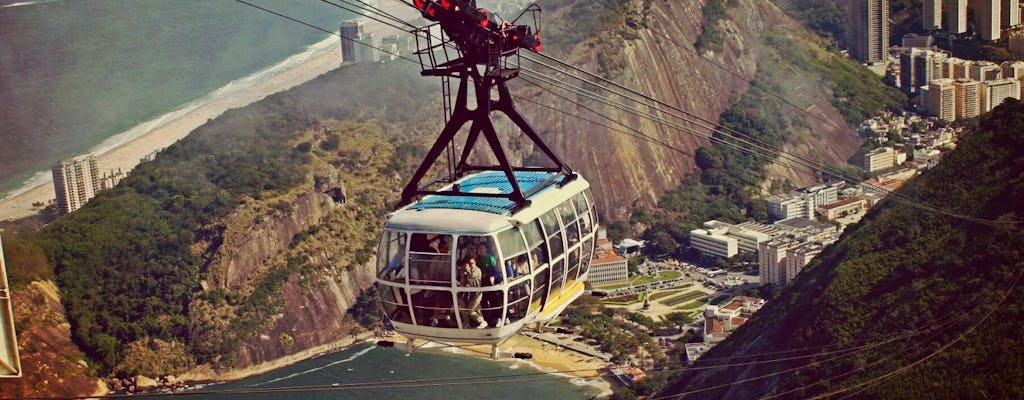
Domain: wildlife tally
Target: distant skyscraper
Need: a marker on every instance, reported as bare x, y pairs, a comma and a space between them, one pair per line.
351, 31
957, 12
1010, 13
987, 16
75, 181
997, 91
942, 99
931, 17
869, 30
968, 98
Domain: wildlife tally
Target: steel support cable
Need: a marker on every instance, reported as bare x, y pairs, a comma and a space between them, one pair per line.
367, 7
735, 74
362, 12
768, 148
830, 171
410, 60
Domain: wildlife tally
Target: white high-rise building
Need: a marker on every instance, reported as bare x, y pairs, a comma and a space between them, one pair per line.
942, 99
869, 30
931, 16
968, 98
957, 12
987, 19
1010, 13
997, 91
75, 182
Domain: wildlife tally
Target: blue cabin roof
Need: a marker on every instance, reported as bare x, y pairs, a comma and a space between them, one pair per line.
490, 182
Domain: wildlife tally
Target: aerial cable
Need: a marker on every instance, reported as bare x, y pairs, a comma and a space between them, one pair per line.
362, 13
392, 17
411, 60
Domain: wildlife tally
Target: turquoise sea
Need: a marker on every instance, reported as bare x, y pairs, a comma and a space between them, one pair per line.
370, 372
79, 75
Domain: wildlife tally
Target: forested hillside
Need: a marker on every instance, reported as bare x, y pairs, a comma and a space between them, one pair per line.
910, 303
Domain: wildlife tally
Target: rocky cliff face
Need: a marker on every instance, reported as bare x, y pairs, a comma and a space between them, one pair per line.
661, 60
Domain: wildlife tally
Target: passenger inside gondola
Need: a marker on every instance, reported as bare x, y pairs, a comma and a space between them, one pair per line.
430, 258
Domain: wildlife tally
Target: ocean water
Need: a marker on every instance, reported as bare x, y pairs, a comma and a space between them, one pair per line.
370, 372
79, 75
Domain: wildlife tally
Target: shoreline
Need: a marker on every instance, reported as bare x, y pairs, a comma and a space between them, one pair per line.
580, 370
128, 154
124, 150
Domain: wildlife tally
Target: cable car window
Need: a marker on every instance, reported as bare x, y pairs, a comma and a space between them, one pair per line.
481, 249
511, 243
550, 223
540, 289
574, 265
430, 260
395, 304
586, 222
493, 308
391, 256
593, 207
572, 235
555, 245
518, 301
533, 233
566, 212
557, 273
434, 308
588, 253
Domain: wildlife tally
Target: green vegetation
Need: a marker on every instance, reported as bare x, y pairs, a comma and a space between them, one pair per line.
710, 38
667, 275
728, 183
129, 264
950, 283
683, 298
624, 300
693, 305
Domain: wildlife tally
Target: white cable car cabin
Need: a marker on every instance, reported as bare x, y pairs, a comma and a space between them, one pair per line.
532, 263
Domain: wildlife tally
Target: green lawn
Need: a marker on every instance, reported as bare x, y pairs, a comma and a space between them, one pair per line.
663, 294
666, 275
693, 305
642, 279
682, 298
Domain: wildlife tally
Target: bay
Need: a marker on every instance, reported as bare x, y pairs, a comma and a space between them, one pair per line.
366, 371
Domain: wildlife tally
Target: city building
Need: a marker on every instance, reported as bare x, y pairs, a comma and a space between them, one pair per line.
798, 257
931, 16
10, 361
880, 158
957, 12
789, 205
987, 19
941, 99
714, 242
869, 30
366, 54
843, 208
771, 259
1015, 42
607, 267
957, 68
720, 321
75, 181
1010, 13
968, 98
919, 66
996, 91
351, 32
914, 40
1013, 69
985, 71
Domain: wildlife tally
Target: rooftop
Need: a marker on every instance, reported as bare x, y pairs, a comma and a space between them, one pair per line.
841, 203
490, 182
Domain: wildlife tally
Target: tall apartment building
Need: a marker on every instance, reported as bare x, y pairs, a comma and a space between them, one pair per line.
1010, 15
931, 15
957, 68
942, 99
957, 12
1013, 69
996, 91
75, 181
869, 30
968, 98
918, 66
880, 158
351, 31
797, 258
1015, 42
987, 19
985, 71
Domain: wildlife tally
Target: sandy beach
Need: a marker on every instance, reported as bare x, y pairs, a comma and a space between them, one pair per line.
127, 156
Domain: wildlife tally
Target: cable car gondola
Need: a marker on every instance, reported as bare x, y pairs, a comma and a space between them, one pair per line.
482, 252
529, 265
